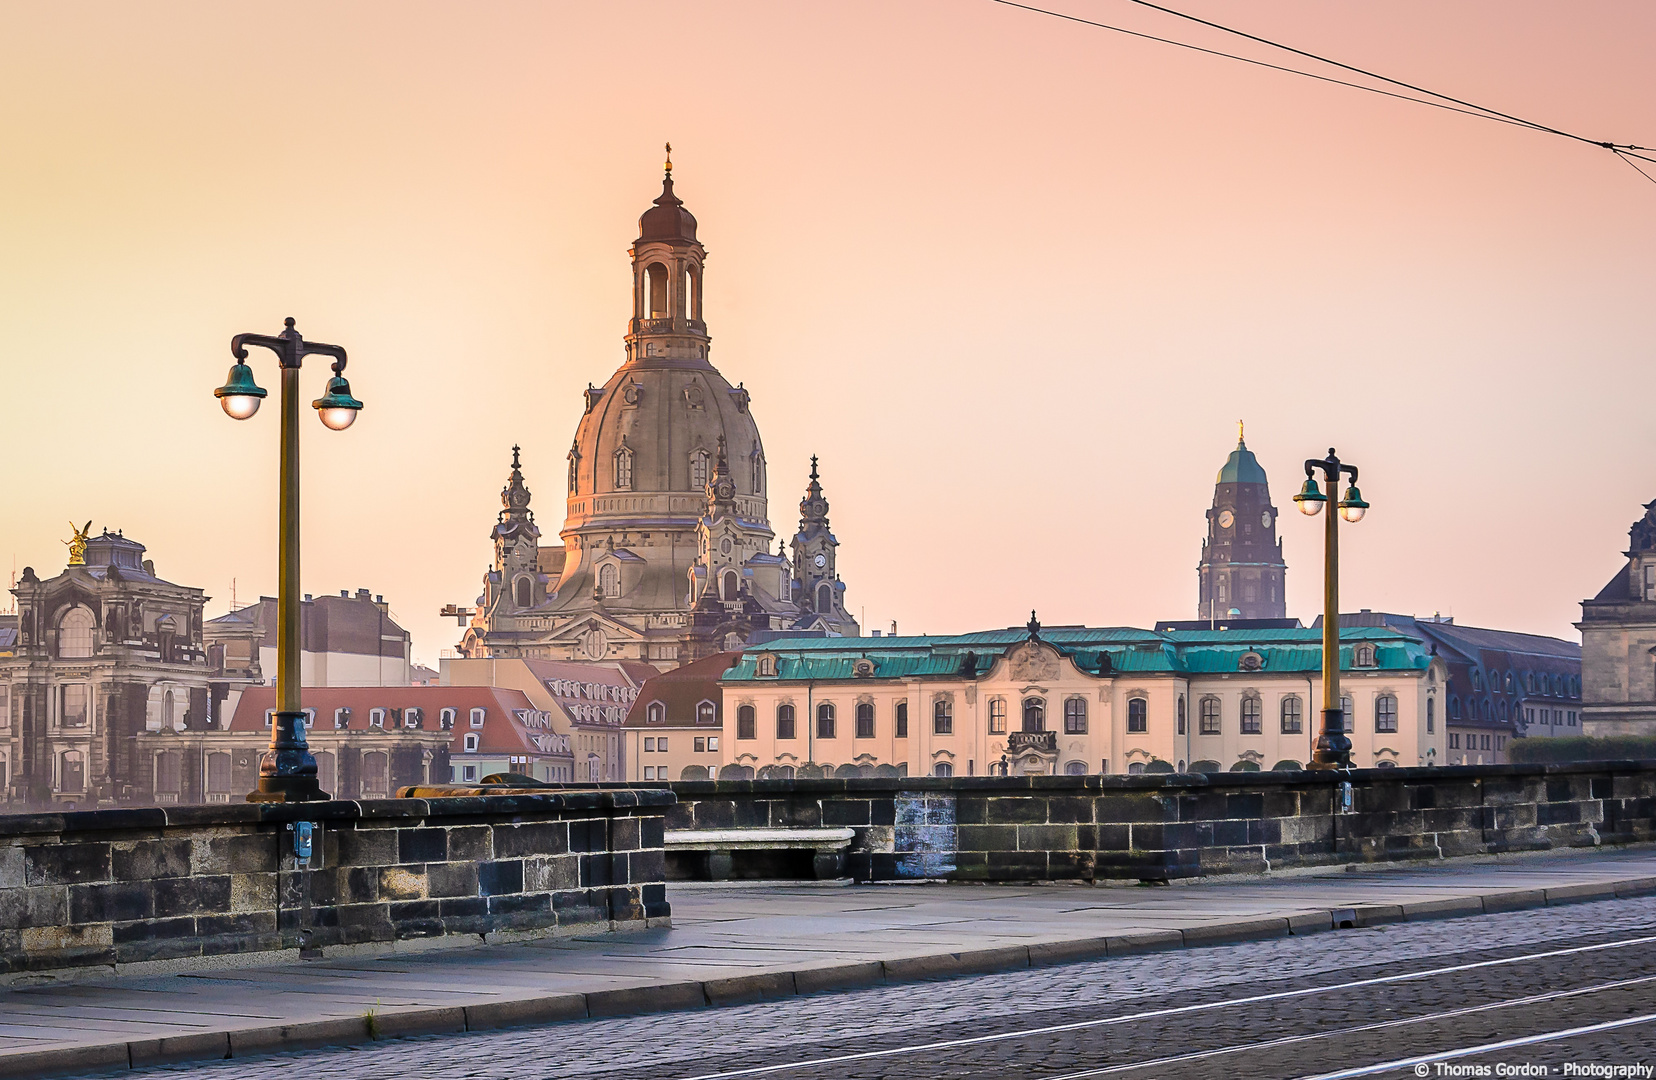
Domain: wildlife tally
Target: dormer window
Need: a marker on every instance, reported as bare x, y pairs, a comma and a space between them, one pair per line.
412, 718
471, 743
1365, 655
707, 713
609, 580
767, 665
376, 718
445, 719
477, 718
656, 713
342, 719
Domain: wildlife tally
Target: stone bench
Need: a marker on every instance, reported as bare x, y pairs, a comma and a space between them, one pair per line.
828, 847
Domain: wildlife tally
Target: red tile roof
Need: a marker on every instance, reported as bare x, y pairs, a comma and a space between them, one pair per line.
682, 689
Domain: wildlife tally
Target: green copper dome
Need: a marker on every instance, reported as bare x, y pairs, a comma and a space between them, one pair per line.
1241, 467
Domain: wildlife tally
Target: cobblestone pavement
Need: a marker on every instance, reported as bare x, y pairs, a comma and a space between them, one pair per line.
1331, 1029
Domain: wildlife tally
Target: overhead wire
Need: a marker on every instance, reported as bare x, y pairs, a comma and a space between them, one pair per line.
1625, 151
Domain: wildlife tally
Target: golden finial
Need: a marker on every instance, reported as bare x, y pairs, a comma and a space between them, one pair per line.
1239, 433
669, 158
77, 546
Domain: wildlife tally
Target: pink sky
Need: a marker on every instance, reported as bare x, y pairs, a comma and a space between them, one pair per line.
1014, 280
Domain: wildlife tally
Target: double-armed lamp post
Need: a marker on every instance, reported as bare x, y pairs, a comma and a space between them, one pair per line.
1333, 750
287, 771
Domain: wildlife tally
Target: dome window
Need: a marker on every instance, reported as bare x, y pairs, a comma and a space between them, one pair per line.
623, 468
609, 581
699, 463
656, 279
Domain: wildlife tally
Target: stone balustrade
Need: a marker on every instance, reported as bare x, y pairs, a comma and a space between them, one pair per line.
133, 886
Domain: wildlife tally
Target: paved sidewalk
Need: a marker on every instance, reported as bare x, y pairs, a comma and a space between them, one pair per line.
743, 943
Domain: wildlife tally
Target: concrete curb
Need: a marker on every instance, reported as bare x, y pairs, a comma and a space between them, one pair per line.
770, 986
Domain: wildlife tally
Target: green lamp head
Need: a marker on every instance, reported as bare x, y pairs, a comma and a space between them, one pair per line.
337, 407
1310, 498
1352, 507
240, 395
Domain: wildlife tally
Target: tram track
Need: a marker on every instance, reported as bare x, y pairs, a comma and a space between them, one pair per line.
1019, 1052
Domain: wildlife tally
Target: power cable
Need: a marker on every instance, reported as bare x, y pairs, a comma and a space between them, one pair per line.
1625, 151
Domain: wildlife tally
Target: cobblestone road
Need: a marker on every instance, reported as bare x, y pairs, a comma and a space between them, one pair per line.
1332, 1029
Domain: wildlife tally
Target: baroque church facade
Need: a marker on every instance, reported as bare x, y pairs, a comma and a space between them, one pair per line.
666, 553
1241, 568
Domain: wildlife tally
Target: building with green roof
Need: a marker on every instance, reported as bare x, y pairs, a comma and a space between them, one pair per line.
1241, 573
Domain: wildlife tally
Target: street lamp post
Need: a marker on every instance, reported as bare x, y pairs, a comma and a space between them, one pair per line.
1333, 749
287, 771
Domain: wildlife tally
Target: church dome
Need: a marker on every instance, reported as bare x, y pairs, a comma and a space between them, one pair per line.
1241, 467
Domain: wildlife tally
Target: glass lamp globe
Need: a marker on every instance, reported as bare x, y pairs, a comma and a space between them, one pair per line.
1310, 500
337, 408
338, 419
1352, 507
239, 406
240, 395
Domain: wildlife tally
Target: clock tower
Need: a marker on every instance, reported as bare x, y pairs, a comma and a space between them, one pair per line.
1241, 568
820, 590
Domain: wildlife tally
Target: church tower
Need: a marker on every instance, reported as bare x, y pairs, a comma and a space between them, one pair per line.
515, 585
1241, 568
820, 589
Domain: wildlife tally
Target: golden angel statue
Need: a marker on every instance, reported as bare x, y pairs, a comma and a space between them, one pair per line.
77, 546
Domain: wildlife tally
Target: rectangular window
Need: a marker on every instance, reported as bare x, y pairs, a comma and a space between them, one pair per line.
649, 772
825, 721
1385, 713
699, 746
1293, 716
661, 745
1486, 742
1454, 740
997, 716
376, 718
649, 746
1138, 716
746, 723
468, 772
1650, 581
865, 720
942, 717
902, 720
1500, 742
784, 721
5, 706
1572, 719
477, 718
1431, 715
1210, 715
1251, 722
712, 744
72, 704
1075, 715
1181, 717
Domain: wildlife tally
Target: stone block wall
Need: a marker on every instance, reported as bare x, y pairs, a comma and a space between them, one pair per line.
1166, 826
117, 887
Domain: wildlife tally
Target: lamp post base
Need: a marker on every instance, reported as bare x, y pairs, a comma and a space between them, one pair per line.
285, 789
287, 771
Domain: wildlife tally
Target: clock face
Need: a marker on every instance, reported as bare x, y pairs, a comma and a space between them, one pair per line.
1226, 519
821, 560
1265, 519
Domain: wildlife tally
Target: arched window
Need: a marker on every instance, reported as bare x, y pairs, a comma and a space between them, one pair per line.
1209, 712
1454, 707
1135, 768
1511, 683
825, 720
707, 713
1477, 679
746, 723
609, 580
1502, 710
1075, 715
1251, 710
1138, 715
655, 276
75, 633
169, 710
865, 719
445, 720
471, 742
574, 472
900, 727
942, 768
758, 471
730, 586
1075, 768
376, 774
71, 772
997, 716
623, 469
525, 592
1181, 717
767, 664
655, 713
942, 717
825, 597
1385, 713
784, 721
1431, 715
1365, 655
1293, 714
698, 470
1034, 714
